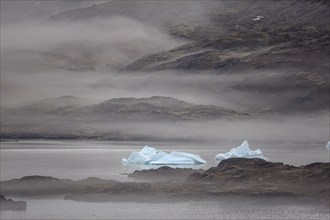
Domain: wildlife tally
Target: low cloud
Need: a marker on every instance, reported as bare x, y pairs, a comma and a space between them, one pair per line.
96, 43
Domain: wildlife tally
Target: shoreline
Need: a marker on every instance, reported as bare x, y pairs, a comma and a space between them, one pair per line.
253, 178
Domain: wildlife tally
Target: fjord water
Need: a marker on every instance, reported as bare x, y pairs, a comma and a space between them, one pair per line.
64, 209
81, 159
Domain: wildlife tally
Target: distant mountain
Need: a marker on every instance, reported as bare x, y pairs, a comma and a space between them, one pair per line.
119, 109
160, 108
282, 47
65, 117
63, 101
275, 53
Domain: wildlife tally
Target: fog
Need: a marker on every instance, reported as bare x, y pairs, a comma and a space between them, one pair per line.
94, 44
273, 129
15, 11
38, 57
46, 59
75, 100
222, 90
302, 129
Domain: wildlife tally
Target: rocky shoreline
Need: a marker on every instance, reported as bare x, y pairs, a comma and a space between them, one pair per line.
232, 177
9, 204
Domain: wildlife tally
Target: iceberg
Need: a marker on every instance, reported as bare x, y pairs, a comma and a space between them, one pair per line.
194, 157
151, 156
172, 160
328, 145
157, 156
242, 151
146, 154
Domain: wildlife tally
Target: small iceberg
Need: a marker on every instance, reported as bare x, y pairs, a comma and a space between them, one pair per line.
328, 145
151, 156
242, 151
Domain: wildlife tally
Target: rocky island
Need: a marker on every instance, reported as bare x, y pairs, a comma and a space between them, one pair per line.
9, 204
234, 177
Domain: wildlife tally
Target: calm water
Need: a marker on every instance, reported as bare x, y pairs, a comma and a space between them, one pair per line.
82, 159
62, 209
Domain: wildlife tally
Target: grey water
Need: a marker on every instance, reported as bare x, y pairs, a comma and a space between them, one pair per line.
63, 209
81, 159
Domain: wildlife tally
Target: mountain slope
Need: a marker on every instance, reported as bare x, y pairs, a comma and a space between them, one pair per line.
153, 108
252, 34
120, 118
281, 49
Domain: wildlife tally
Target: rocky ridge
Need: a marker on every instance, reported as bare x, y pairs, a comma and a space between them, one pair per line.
70, 118
236, 176
232, 37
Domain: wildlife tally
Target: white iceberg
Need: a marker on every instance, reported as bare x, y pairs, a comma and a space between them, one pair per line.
146, 154
242, 151
151, 156
328, 145
157, 156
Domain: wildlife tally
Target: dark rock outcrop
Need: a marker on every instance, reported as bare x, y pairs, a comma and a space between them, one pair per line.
257, 176
237, 176
9, 204
163, 173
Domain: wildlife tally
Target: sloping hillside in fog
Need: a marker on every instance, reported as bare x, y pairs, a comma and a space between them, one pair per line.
232, 59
